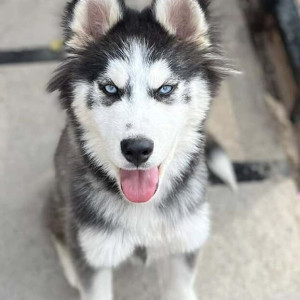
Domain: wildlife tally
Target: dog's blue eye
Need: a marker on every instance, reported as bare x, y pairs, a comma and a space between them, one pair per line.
165, 90
111, 89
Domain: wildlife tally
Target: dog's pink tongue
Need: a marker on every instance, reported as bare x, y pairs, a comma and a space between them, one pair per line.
139, 185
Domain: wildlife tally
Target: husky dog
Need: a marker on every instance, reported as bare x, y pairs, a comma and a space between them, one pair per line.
131, 173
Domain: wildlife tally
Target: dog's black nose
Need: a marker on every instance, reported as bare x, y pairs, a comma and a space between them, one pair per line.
137, 151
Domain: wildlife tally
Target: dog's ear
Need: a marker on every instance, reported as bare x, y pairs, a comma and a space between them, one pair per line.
183, 18
89, 20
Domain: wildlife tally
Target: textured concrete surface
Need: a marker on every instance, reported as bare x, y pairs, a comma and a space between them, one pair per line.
240, 116
30, 23
30, 123
254, 250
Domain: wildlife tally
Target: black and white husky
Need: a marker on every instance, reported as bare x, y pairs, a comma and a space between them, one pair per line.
131, 172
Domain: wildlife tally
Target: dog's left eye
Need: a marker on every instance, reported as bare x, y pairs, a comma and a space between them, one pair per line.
111, 89
165, 90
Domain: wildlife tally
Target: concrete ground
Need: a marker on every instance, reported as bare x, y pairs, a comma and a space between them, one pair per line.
254, 249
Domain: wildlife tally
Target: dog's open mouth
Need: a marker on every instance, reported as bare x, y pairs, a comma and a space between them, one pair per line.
139, 186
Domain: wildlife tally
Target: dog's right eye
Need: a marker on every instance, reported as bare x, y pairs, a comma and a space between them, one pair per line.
110, 89
165, 90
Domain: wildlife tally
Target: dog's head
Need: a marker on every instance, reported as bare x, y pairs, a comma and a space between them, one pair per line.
139, 85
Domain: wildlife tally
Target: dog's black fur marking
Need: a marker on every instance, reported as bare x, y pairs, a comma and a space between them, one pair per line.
141, 253
191, 260
173, 199
68, 17
129, 126
85, 214
90, 100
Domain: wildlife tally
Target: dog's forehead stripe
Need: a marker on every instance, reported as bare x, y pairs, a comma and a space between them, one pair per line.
117, 71
136, 66
159, 73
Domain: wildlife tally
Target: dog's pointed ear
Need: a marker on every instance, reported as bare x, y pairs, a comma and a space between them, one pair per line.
89, 20
183, 18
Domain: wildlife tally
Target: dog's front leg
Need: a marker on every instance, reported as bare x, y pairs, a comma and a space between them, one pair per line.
176, 277
99, 286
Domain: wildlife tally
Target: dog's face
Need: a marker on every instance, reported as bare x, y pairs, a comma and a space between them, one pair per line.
141, 85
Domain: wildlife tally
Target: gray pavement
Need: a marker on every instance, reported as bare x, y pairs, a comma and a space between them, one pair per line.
30, 23
240, 118
254, 250
253, 253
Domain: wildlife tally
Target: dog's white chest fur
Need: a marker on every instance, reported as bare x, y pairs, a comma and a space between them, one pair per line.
103, 248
